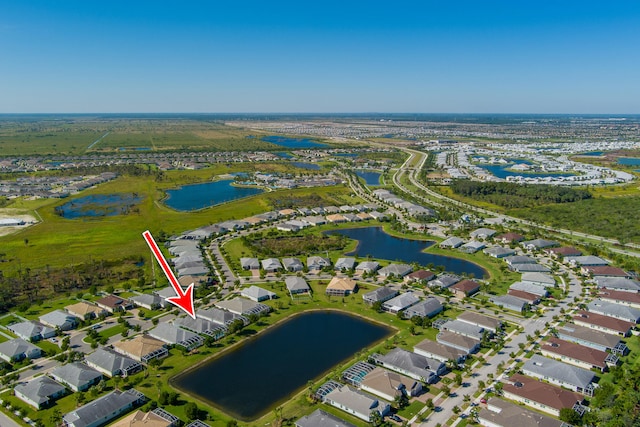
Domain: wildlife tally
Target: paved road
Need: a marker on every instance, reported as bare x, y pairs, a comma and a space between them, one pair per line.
5, 421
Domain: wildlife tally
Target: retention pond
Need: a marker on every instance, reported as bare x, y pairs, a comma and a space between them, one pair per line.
269, 369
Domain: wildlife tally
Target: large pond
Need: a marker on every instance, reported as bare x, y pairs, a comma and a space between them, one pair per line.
370, 178
295, 143
267, 370
629, 161
198, 196
375, 242
305, 165
99, 205
504, 171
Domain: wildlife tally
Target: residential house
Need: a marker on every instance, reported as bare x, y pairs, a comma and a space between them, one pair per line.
381, 294
367, 267
414, 365
111, 363
444, 281
537, 278
452, 243
318, 262
345, 264
609, 325
590, 338
427, 308
113, 304
461, 342
482, 233
604, 271
617, 311
395, 270
76, 375
587, 260
336, 219
388, 385
422, 276
320, 418
59, 319
85, 311
500, 413
32, 331
150, 302
488, 323
18, 349
510, 302
537, 244
472, 247
40, 392
357, 403
257, 294
219, 316
173, 335
292, 265
507, 238
631, 299
539, 395
499, 252
243, 307
142, 348
201, 326
578, 355
618, 284
315, 220
148, 419
103, 409
563, 251
559, 373
400, 302
530, 268
296, 285
271, 265
529, 288
465, 288
440, 352
341, 286
519, 259
250, 263
531, 299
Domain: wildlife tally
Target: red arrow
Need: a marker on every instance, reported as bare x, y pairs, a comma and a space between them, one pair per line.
183, 300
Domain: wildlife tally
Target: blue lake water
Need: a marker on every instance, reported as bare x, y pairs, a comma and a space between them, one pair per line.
198, 196
370, 178
375, 242
629, 161
346, 154
296, 143
267, 370
98, 205
502, 171
284, 155
592, 153
304, 165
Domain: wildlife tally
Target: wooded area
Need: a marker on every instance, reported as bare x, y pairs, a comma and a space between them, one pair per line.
512, 195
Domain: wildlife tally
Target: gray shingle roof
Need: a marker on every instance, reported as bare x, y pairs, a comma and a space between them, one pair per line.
110, 361
618, 311
383, 293
39, 389
219, 316
320, 418
554, 370
426, 308
401, 302
419, 366
76, 374
171, 334
296, 284
30, 329
106, 407
17, 347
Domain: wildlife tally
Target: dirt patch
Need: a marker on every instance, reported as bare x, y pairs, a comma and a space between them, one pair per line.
18, 215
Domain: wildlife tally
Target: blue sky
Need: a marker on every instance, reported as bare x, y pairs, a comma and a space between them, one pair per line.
328, 56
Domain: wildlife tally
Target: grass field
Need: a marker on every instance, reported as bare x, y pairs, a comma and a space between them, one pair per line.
61, 242
77, 135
